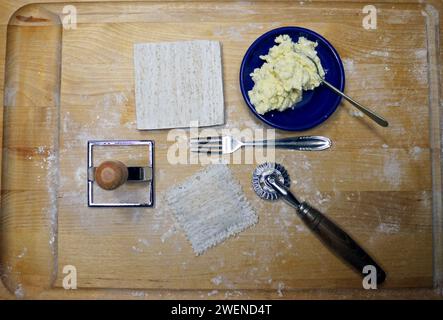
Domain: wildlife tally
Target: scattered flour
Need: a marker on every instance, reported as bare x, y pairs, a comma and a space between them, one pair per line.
80, 176
388, 228
348, 65
300, 228
415, 152
212, 293
23, 253
52, 185
237, 33
377, 53
19, 291
420, 73
306, 165
145, 242
111, 100
280, 288
168, 234
217, 280
356, 113
421, 54
140, 246
137, 249
110, 106
138, 294
392, 171
236, 293
322, 201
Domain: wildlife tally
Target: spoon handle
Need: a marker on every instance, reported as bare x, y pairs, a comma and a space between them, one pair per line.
371, 114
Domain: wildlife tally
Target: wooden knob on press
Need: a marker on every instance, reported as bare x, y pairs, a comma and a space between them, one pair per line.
110, 175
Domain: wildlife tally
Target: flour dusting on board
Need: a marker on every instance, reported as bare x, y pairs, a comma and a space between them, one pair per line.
388, 228
109, 104
377, 53
392, 170
210, 207
212, 293
348, 64
280, 288
53, 187
356, 113
23, 253
415, 152
237, 33
19, 292
217, 280
50, 162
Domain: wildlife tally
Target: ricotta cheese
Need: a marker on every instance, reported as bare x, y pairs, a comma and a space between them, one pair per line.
286, 73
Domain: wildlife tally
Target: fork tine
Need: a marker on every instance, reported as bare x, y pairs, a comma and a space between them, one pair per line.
206, 140
208, 145
204, 146
207, 150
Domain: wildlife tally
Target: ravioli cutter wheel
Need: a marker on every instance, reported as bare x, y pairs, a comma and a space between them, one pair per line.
271, 181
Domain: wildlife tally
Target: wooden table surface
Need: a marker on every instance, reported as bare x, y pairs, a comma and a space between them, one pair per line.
64, 87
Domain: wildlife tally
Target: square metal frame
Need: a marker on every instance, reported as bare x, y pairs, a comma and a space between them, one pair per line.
111, 143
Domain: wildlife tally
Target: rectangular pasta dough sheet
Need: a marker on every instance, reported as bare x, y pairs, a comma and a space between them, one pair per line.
178, 82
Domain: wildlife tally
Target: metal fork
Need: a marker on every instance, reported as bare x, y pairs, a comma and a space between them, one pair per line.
228, 144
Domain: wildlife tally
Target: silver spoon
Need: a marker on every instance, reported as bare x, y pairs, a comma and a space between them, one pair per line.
371, 114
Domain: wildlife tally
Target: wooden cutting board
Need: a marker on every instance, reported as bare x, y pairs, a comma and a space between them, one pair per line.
66, 86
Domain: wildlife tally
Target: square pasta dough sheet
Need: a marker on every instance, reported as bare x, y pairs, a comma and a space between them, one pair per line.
177, 83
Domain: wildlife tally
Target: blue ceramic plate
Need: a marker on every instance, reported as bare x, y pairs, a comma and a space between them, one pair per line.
318, 104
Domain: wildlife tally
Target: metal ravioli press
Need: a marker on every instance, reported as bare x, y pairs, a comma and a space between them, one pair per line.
112, 174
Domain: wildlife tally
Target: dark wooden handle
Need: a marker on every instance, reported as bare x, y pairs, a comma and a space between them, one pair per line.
338, 241
110, 175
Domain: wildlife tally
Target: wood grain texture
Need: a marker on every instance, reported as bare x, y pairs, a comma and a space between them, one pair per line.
177, 84
30, 146
379, 209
